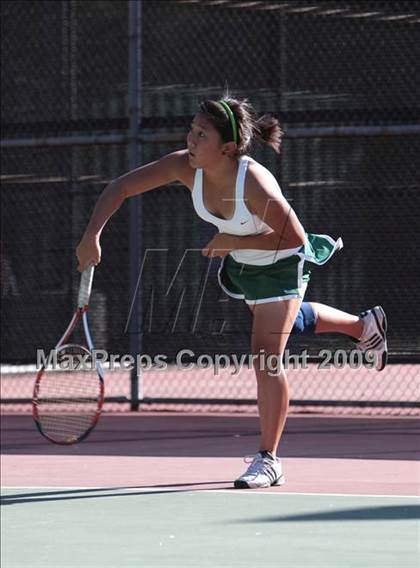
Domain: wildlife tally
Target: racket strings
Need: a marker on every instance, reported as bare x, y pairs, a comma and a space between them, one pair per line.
67, 403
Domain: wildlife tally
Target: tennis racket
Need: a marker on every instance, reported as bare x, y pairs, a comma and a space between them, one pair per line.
69, 388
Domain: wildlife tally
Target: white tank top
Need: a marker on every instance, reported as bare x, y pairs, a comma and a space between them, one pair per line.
242, 223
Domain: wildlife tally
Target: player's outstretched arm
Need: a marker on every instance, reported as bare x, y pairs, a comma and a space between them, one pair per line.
151, 176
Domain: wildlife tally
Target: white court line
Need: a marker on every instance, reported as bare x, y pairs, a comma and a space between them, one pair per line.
212, 491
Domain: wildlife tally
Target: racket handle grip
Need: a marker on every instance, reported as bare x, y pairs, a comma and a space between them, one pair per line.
85, 286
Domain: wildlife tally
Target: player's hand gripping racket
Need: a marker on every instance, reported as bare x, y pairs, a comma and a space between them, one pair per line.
69, 389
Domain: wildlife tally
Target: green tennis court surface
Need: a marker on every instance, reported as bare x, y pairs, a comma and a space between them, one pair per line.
111, 527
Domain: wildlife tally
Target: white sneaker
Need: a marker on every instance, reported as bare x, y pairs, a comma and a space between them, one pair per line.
264, 471
374, 335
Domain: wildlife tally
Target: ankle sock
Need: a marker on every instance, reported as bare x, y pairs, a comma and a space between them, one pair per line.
267, 454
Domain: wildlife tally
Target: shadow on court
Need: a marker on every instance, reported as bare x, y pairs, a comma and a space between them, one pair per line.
183, 435
100, 493
384, 513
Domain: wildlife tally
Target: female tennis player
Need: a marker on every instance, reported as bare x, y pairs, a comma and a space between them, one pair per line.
266, 254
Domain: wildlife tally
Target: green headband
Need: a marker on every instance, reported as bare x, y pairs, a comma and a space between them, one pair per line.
232, 120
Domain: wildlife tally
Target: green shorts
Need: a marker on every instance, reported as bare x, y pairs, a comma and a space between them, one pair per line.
283, 280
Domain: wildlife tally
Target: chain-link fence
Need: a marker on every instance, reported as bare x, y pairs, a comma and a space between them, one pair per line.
341, 76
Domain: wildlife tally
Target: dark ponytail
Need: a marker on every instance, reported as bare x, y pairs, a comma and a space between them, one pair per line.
266, 128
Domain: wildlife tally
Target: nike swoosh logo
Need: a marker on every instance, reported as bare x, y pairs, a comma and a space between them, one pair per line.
243, 222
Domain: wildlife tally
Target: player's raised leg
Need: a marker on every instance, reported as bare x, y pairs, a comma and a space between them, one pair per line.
367, 329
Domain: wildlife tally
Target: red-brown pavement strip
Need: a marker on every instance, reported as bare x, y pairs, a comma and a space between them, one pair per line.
304, 475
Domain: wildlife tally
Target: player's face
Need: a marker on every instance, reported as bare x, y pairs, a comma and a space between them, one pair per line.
205, 146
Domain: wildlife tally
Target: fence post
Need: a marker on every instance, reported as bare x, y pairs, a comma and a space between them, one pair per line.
134, 111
